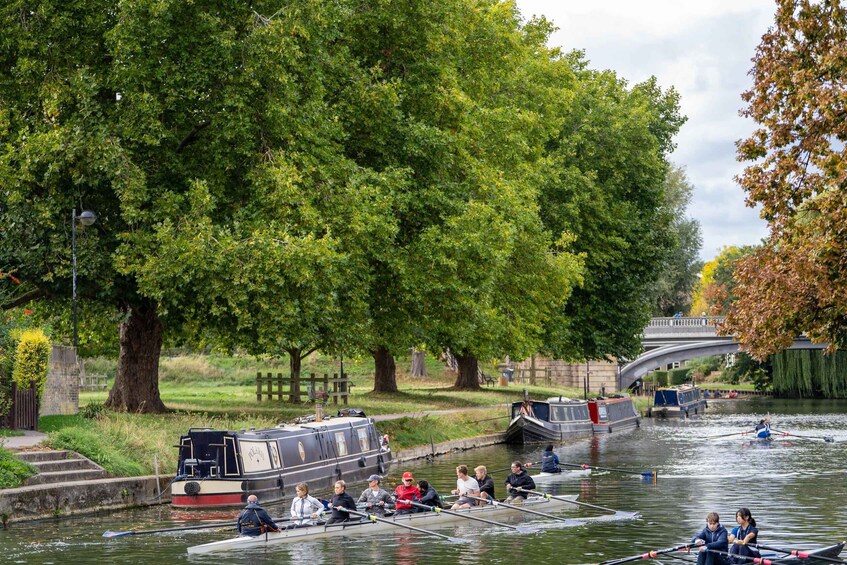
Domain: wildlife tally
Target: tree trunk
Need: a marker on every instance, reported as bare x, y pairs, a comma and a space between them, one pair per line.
294, 363
418, 363
136, 387
385, 373
468, 371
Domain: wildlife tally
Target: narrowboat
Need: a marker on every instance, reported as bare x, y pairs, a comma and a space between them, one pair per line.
612, 413
555, 419
222, 468
681, 401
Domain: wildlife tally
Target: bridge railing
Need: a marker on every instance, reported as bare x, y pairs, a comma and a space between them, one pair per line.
689, 322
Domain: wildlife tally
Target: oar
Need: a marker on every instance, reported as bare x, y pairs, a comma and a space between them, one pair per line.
799, 554
110, 534
828, 439
516, 507
761, 560
744, 433
510, 468
586, 504
648, 555
645, 474
373, 518
466, 515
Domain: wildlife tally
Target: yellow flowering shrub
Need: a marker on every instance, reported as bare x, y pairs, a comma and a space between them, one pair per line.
32, 359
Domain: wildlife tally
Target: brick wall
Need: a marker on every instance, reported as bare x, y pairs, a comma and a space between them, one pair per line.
61, 391
600, 373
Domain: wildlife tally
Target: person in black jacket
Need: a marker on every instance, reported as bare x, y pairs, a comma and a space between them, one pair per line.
254, 520
519, 479
429, 495
340, 500
486, 483
549, 460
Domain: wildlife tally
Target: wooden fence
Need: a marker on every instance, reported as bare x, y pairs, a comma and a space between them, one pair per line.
24, 411
533, 377
317, 388
93, 382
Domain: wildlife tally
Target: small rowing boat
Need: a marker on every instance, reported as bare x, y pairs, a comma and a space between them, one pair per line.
365, 527
543, 478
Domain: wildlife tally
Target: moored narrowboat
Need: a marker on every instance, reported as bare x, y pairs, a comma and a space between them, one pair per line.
613, 413
681, 401
222, 468
555, 419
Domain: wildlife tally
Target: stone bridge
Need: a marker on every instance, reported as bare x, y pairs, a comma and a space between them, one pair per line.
671, 340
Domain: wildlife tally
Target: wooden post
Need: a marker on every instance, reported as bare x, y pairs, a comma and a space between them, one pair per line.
334, 388
532, 371
344, 388
259, 386
279, 386
270, 386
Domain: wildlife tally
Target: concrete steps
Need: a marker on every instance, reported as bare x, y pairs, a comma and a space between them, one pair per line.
60, 467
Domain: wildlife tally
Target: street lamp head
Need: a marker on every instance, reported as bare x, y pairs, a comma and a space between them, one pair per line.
87, 217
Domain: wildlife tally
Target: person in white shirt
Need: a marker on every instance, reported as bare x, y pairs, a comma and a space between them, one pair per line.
465, 486
305, 510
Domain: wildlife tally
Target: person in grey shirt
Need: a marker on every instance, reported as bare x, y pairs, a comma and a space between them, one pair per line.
376, 497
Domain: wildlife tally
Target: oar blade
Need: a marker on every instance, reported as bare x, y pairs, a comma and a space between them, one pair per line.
110, 534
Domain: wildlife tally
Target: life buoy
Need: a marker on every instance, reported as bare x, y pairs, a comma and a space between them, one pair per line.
192, 488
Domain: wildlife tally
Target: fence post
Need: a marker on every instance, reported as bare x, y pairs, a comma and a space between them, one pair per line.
259, 386
344, 389
335, 388
279, 386
270, 386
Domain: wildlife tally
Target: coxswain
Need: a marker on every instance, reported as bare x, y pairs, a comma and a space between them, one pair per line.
254, 520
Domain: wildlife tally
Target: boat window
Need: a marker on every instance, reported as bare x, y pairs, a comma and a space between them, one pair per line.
340, 444
603, 412
276, 463
364, 443
255, 455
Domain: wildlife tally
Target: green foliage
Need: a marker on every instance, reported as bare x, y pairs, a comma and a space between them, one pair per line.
116, 459
808, 373
747, 368
658, 378
32, 360
679, 376
704, 366
13, 471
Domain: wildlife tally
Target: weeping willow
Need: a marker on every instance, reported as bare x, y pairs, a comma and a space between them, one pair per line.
809, 373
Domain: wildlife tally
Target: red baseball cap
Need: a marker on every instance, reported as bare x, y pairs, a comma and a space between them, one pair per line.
407, 475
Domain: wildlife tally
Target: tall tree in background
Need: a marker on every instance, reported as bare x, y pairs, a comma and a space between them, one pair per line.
679, 273
797, 281
715, 292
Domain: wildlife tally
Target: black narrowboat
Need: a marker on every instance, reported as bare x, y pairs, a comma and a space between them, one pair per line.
555, 419
681, 401
613, 413
222, 468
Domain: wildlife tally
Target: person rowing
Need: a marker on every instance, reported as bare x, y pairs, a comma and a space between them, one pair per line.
713, 538
377, 498
465, 486
429, 495
305, 509
549, 460
486, 483
517, 483
763, 428
407, 490
338, 502
254, 520
743, 537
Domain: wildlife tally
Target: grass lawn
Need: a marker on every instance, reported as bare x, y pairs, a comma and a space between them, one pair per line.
220, 392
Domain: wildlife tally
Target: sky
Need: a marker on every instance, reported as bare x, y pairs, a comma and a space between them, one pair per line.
704, 50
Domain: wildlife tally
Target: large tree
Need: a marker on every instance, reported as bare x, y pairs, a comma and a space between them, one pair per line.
797, 281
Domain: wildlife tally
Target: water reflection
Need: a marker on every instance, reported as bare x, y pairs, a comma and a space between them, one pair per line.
795, 488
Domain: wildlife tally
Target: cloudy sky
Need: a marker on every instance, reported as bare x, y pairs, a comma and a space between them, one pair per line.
703, 49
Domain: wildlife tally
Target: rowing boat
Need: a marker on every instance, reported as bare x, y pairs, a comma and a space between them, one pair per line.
829, 552
360, 527
543, 478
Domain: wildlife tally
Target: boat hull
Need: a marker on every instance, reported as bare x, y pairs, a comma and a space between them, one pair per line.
425, 520
613, 414
546, 478
829, 552
526, 429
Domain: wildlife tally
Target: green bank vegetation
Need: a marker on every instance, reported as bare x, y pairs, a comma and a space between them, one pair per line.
220, 392
13, 472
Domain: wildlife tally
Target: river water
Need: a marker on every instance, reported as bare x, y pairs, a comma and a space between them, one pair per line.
794, 487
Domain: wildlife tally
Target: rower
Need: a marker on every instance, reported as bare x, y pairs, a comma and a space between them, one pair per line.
340, 500
254, 520
305, 509
486, 483
517, 483
713, 537
763, 428
549, 460
465, 486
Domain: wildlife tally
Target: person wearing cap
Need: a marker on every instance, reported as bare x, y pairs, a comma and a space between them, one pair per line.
305, 509
465, 487
407, 491
254, 520
376, 497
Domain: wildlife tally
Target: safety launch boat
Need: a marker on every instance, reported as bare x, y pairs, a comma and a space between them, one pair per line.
221, 468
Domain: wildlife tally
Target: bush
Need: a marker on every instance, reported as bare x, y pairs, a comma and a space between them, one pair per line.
13, 471
659, 378
32, 360
679, 376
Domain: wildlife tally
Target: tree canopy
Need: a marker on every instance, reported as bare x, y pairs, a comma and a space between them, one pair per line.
796, 282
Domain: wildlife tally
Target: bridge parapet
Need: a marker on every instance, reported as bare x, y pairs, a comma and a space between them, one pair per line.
704, 326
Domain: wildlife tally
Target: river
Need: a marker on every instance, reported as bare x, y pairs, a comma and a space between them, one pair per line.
794, 487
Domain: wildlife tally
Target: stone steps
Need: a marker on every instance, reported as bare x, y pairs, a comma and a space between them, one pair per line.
60, 466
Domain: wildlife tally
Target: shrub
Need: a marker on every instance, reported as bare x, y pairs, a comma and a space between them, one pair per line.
659, 378
679, 376
32, 359
13, 471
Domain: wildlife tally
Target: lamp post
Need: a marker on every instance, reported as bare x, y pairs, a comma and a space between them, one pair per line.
86, 218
